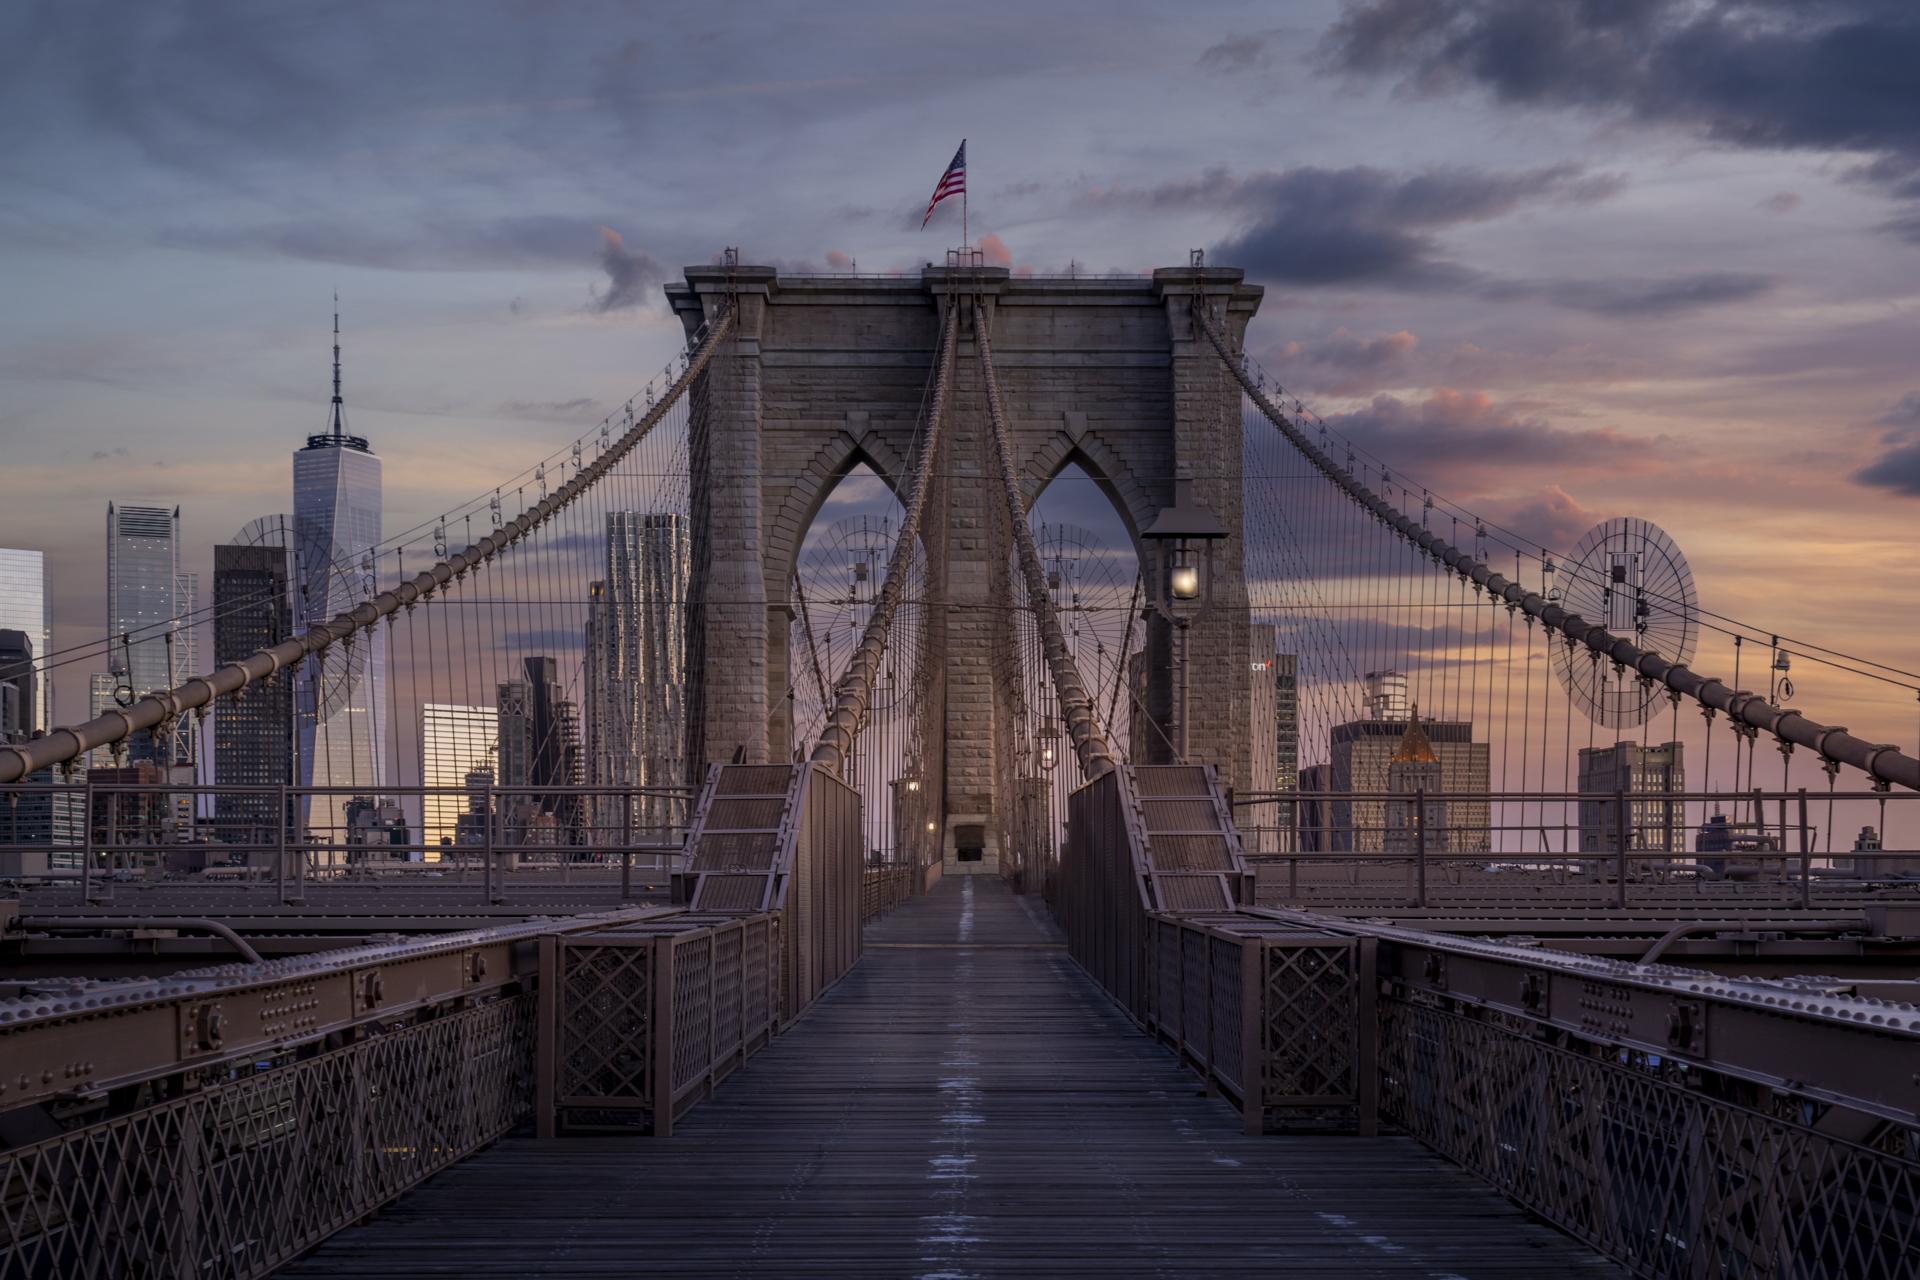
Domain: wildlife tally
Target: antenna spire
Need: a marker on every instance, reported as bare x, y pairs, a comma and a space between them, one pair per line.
339, 405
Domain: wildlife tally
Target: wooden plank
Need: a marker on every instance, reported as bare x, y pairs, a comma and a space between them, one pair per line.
965, 1103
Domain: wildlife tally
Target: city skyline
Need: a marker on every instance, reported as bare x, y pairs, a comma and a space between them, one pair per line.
1738, 288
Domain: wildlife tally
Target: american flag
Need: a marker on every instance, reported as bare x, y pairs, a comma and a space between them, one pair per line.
952, 183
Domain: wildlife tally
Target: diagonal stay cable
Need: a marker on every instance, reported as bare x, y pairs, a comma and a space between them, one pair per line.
854, 690
1883, 763
1076, 705
71, 742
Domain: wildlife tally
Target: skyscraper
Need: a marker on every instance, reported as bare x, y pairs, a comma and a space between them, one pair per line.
341, 696
1360, 754
456, 747
636, 659
19, 686
253, 733
1274, 727
149, 623
1650, 776
1417, 785
25, 606
538, 748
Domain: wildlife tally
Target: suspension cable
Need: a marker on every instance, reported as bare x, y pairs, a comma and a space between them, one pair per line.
855, 688
1076, 705
1881, 762
159, 708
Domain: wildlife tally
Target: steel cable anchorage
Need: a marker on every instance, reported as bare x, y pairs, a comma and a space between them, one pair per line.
853, 692
71, 742
1886, 765
1076, 705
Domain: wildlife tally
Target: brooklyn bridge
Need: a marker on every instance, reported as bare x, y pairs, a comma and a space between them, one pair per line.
1297, 873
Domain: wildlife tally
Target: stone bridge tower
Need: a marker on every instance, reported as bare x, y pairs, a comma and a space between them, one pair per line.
824, 373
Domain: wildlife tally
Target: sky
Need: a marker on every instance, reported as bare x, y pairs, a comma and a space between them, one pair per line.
1557, 259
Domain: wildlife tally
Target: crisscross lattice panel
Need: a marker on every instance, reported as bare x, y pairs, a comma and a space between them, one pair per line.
608, 1011
240, 1177
1647, 1166
1311, 1001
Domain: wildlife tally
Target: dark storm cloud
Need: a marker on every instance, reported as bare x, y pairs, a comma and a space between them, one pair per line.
1779, 74
1899, 468
1358, 225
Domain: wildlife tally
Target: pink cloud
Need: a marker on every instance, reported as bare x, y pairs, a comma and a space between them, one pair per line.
995, 251
839, 261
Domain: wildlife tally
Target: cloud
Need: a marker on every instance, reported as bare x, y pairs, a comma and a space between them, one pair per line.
1359, 225
103, 455
631, 274
1781, 202
994, 251
1469, 432
1343, 363
585, 408
1239, 55
1656, 297
1899, 468
1552, 518
488, 244
1766, 74
839, 261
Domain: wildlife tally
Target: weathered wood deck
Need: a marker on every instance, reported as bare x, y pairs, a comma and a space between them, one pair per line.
965, 1103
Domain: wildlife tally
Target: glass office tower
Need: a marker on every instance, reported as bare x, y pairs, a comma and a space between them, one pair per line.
342, 710
149, 622
26, 607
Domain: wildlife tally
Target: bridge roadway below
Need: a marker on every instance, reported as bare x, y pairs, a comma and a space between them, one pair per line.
964, 1103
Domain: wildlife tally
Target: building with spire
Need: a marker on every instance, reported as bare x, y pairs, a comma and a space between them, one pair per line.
1360, 757
1416, 789
341, 737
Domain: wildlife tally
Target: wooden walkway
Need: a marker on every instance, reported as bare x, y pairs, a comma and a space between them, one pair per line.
965, 1103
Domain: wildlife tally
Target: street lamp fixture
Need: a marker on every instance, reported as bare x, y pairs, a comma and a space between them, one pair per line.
1049, 743
1184, 533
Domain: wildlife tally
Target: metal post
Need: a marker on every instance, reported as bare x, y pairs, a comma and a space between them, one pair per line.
661, 1033
1806, 855
1623, 839
280, 844
486, 847
1420, 846
86, 843
546, 1038
1182, 628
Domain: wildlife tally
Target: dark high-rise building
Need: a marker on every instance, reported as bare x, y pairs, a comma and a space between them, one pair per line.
18, 687
539, 747
253, 733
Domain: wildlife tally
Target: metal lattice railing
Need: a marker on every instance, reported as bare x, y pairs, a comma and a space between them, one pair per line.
1648, 1166
236, 1179
646, 1021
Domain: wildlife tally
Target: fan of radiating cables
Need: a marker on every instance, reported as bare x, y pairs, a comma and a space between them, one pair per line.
1627, 575
326, 576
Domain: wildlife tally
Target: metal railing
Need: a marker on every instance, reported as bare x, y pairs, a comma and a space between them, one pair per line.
239, 1176
883, 887
642, 1023
93, 835
1614, 848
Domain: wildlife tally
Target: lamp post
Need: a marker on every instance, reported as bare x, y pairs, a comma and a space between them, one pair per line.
1184, 533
